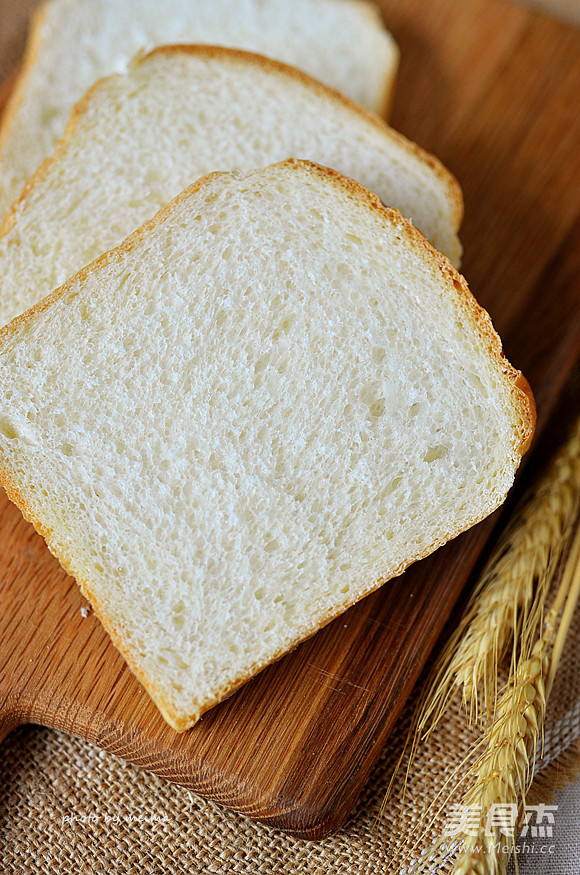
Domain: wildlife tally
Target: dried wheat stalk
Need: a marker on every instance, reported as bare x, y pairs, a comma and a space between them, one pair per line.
503, 773
509, 607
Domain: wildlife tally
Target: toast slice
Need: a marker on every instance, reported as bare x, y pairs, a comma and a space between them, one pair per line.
75, 42
272, 398
138, 139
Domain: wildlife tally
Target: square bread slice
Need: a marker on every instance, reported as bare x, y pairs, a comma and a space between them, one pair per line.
75, 42
139, 139
268, 401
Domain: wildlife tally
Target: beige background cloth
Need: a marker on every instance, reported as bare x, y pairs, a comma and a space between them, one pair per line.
67, 807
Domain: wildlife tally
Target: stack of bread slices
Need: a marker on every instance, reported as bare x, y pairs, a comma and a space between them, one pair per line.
242, 384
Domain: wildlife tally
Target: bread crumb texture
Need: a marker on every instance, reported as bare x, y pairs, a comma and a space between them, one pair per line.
343, 43
271, 399
176, 115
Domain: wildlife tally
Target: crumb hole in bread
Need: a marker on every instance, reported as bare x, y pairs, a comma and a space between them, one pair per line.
261, 363
434, 453
377, 408
8, 429
272, 545
392, 485
178, 621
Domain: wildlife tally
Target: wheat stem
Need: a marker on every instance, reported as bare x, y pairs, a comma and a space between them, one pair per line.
572, 571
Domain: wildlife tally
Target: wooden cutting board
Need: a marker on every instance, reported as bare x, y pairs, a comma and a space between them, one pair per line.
494, 90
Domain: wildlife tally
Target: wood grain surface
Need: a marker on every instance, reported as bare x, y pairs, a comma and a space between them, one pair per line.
494, 90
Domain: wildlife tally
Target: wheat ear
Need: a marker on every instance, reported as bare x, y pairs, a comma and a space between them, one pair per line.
508, 604
501, 776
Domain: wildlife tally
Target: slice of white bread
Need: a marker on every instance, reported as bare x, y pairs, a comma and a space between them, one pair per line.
75, 42
272, 398
139, 138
